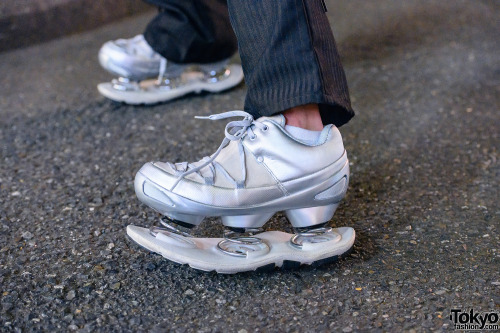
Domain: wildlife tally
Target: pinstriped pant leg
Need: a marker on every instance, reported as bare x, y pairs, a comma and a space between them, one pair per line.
191, 31
289, 58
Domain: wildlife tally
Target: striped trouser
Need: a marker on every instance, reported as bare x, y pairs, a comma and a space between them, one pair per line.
287, 49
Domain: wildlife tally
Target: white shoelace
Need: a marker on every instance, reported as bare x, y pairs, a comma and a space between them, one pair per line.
234, 131
163, 69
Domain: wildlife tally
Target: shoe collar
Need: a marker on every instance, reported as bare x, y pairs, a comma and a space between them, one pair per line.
280, 121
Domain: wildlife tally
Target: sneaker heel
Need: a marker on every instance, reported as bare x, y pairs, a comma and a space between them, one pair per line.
306, 217
246, 221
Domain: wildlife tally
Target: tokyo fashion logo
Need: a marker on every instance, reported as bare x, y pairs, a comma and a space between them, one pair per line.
471, 320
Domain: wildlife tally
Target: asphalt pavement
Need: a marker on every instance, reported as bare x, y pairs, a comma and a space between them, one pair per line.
424, 195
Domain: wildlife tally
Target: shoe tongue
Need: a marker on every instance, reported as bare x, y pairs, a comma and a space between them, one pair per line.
143, 48
279, 118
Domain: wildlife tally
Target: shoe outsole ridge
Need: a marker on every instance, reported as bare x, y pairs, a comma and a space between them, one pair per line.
282, 264
137, 98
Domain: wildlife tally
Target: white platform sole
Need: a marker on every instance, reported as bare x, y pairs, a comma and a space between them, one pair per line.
203, 254
152, 94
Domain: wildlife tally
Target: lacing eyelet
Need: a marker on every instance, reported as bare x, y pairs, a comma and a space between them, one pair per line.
265, 128
253, 137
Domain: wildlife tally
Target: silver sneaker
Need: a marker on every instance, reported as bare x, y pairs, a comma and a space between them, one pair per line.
145, 77
258, 170
131, 58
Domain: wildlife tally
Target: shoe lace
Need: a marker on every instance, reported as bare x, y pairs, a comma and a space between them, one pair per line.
163, 69
235, 131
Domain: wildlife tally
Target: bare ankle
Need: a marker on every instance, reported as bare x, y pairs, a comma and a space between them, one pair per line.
304, 116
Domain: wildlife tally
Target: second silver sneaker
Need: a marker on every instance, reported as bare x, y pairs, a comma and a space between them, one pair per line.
145, 77
258, 170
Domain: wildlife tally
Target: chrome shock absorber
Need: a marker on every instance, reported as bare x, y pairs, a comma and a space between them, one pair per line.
171, 228
215, 72
214, 76
124, 84
171, 232
239, 242
318, 233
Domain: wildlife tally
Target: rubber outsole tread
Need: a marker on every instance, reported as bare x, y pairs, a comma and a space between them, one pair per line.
188, 95
288, 265
266, 268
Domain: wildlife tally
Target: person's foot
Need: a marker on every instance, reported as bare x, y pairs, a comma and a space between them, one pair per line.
261, 167
145, 77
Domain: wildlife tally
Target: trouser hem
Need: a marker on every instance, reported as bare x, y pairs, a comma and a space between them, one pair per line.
331, 111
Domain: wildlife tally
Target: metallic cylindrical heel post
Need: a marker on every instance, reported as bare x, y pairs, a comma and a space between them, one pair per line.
306, 217
314, 234
124, 84
170, 83
171, 227
214, 76
215, 72
239, 242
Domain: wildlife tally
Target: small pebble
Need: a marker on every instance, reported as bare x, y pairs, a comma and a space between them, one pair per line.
70, 295
150, 266
27, 235
115, 286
